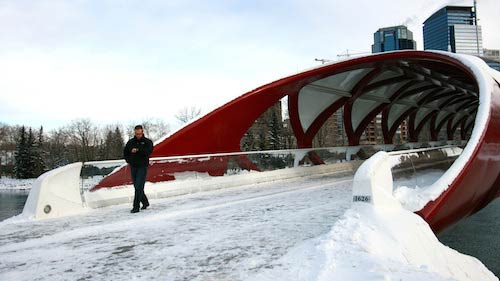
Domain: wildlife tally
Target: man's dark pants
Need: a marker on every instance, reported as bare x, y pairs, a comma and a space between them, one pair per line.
139, 179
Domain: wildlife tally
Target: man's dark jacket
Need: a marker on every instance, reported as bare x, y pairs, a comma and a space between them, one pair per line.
141, 157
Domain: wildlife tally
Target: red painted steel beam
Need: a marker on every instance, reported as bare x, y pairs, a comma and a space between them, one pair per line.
372, 114
436, 128
477, 184
357, 91
389, 131
221, 131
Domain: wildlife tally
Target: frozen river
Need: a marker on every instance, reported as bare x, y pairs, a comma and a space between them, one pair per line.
230, 234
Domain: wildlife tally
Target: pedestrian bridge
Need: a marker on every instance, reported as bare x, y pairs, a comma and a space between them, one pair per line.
446, 94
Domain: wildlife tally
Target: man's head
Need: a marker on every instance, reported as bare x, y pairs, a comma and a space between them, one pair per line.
138, 131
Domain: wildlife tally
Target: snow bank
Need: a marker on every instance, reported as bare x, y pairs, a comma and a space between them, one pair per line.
15, 184
373, 243
410, 192
413, 193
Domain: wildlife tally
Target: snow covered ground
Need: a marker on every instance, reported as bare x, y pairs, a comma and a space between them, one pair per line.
15, 184
220, 235
301, 229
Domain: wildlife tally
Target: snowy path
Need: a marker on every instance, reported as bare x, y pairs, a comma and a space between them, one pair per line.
220, 235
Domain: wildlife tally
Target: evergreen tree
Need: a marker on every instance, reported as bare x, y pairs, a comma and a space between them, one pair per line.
39, 154
22, 157
32, 152
29, 160
262, 143
117, 144
112, 147
248, 140
274, 135
107, 145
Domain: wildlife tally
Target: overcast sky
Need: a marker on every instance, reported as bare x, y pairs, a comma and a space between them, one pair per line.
117, 61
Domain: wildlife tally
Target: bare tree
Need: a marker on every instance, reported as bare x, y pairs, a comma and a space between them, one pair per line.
8, 136
84, 136
186, 114
57, 148
154, 128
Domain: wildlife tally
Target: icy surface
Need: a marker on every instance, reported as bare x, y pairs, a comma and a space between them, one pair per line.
370, 243
15, 184
220, 235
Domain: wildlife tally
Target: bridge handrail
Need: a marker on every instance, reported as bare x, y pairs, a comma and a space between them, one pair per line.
53, 184
287, 151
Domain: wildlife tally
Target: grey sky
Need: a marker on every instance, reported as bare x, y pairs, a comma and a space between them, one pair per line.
113, 61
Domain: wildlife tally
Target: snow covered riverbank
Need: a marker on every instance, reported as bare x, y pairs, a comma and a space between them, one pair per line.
15, 184
7, 183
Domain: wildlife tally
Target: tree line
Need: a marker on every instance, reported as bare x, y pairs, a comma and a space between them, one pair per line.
27, 152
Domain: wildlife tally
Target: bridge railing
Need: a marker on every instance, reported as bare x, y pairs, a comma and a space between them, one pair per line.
225, 164
236, 163
65, 190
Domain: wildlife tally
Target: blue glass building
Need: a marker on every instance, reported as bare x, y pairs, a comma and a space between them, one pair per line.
393, 38
452, 29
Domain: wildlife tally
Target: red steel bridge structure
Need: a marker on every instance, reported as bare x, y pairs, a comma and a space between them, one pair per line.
434, 91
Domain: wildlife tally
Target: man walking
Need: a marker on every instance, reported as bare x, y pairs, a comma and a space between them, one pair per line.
136, 153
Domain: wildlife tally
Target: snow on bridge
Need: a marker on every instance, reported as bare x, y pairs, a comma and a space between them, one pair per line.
292, 229
228, 234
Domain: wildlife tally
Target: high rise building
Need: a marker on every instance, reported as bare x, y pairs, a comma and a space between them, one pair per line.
453, 29
393, 38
